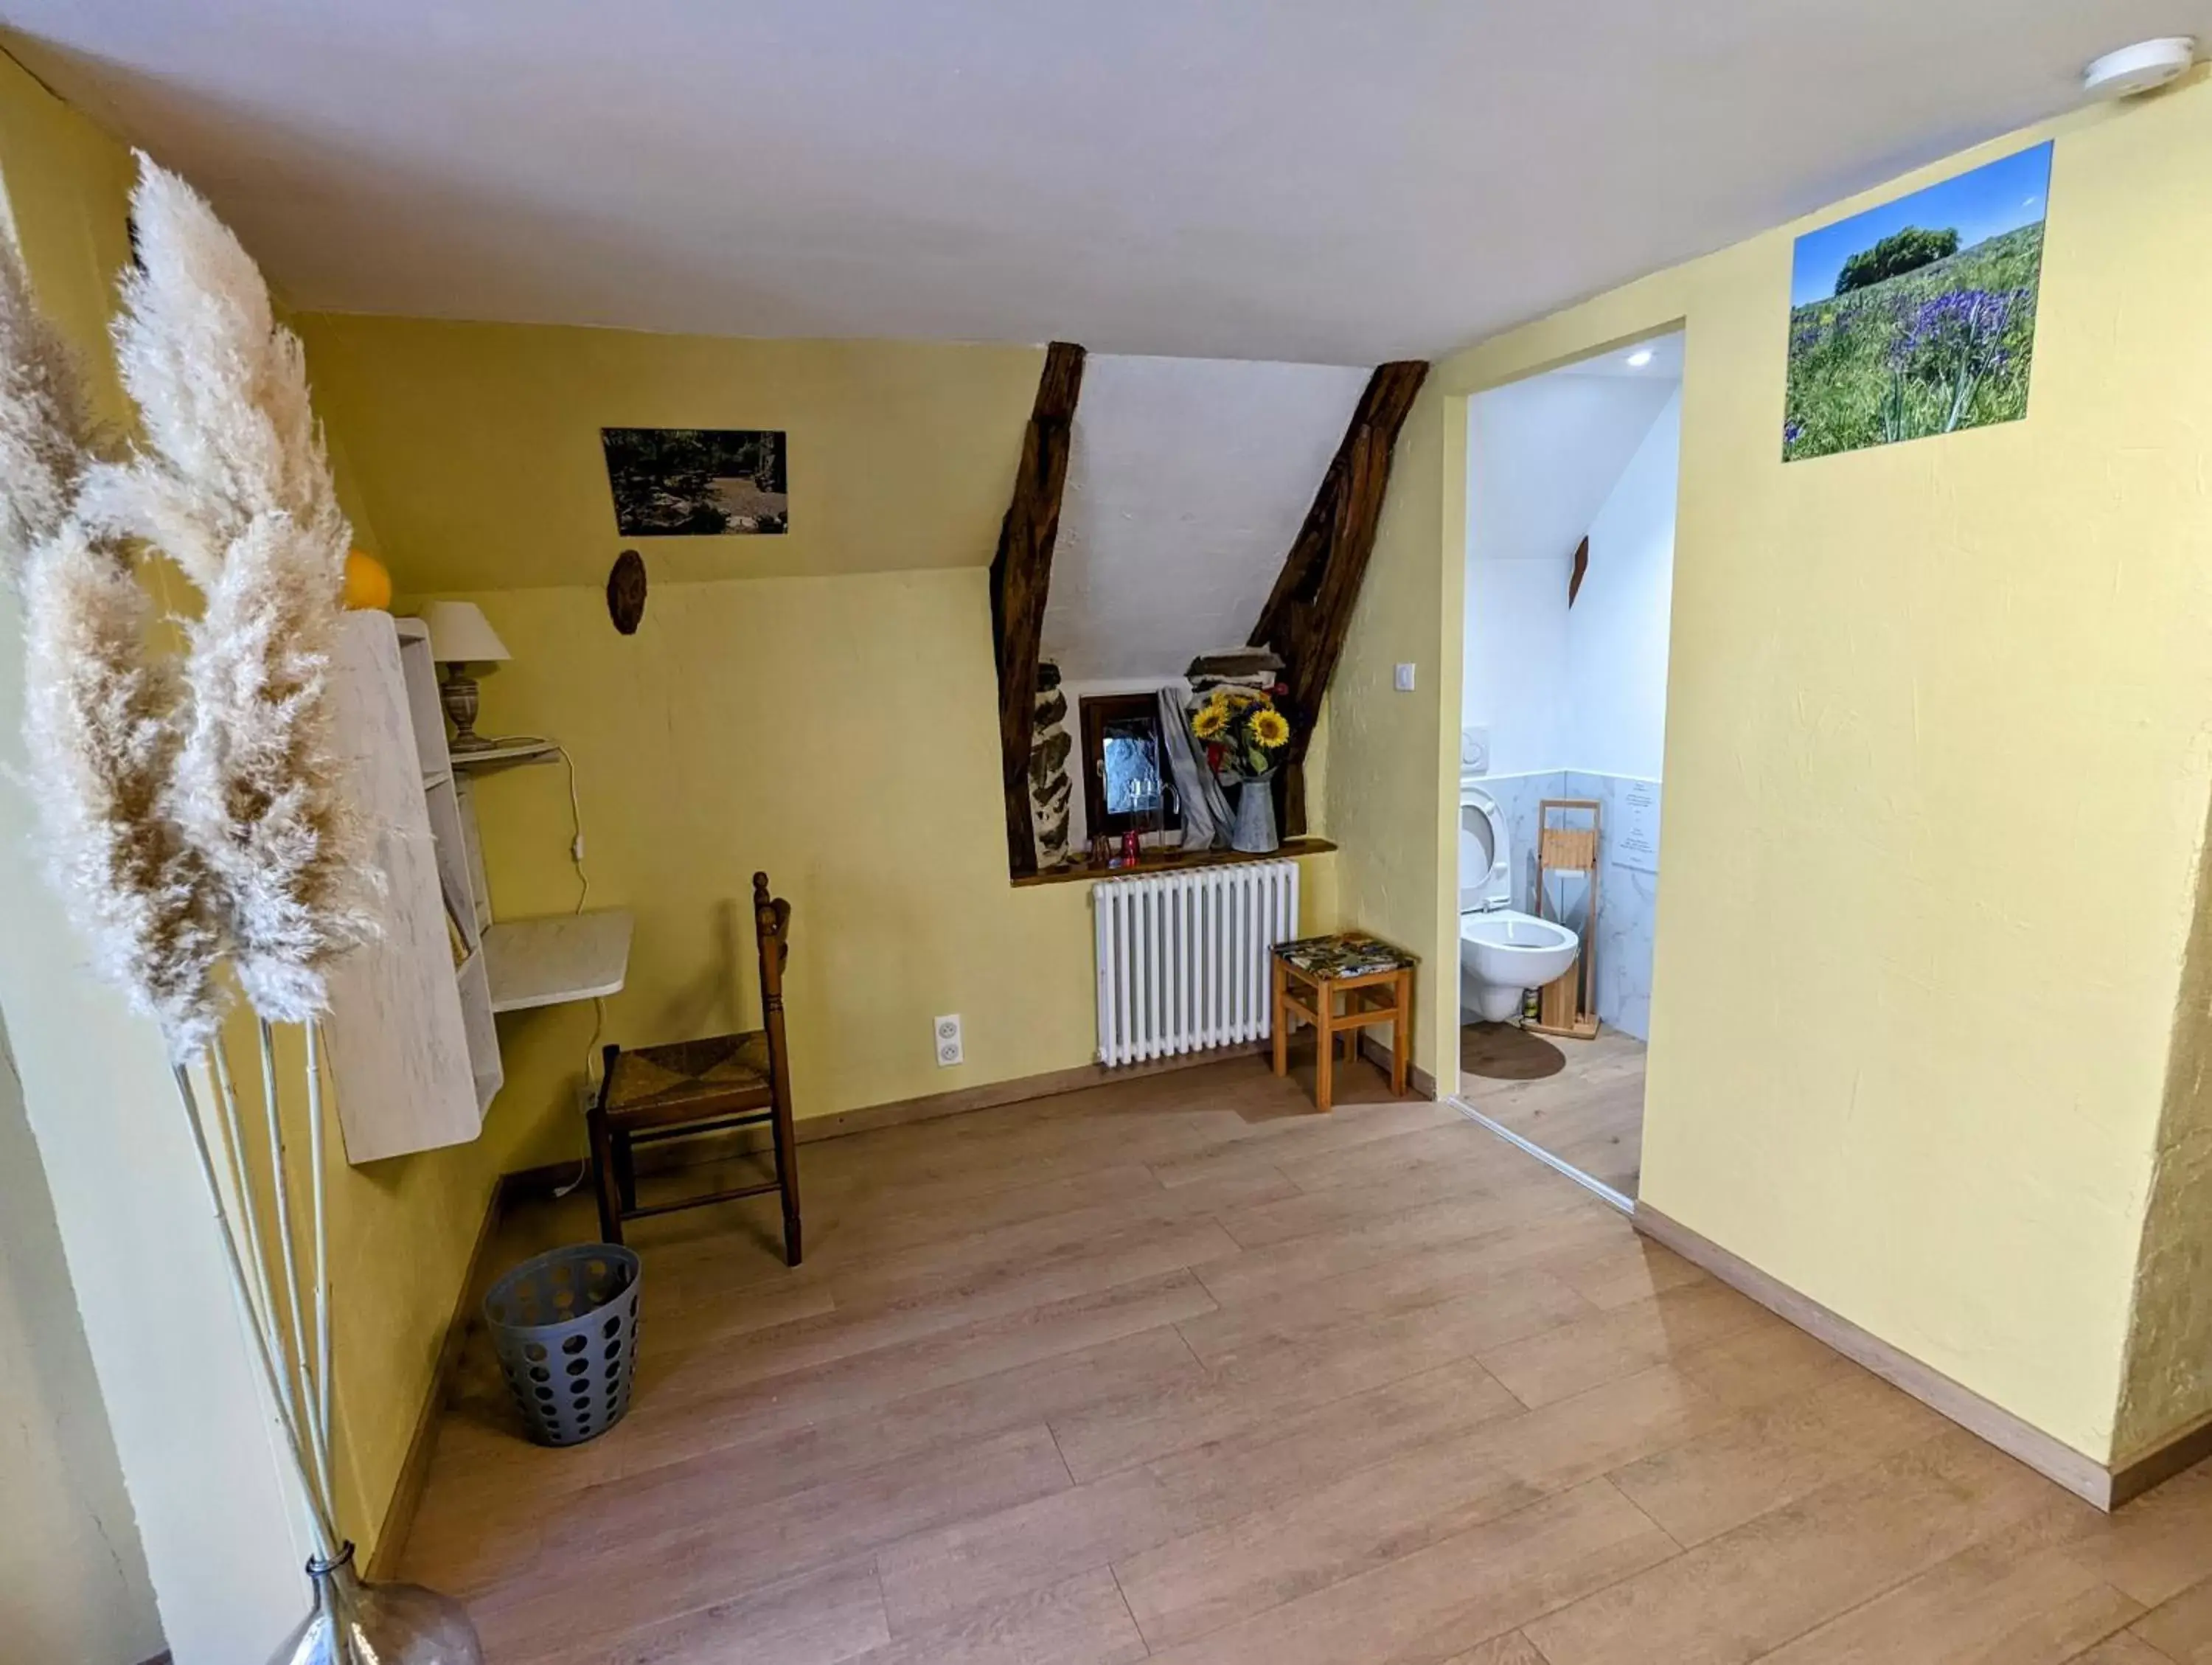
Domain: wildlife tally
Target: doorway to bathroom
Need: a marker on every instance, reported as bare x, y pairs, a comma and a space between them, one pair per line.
1570, 570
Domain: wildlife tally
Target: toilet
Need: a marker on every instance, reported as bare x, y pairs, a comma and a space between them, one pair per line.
1502, 952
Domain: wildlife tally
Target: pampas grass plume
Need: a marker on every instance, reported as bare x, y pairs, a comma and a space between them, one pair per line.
221, 386
45, 435
99, 725
232, 452
191, 812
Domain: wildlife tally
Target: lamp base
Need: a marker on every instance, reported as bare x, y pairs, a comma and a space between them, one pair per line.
457, 693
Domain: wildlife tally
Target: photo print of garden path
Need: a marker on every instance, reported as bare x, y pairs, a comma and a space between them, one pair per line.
1919, 317
689, 482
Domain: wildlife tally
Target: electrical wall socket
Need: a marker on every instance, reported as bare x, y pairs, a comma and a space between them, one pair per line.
946, 1033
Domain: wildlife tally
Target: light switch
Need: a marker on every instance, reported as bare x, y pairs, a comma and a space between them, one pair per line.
1405, 679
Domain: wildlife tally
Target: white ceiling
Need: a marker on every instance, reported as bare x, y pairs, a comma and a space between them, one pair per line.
1303, 180
1661, 360
1543, 454
1187, 480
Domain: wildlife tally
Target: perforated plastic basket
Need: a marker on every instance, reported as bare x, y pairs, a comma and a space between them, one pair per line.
565, 1326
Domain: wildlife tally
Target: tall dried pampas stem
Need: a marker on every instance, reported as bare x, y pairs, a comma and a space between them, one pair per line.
196, 812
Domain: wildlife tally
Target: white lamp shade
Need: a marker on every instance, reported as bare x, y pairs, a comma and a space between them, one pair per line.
461, 634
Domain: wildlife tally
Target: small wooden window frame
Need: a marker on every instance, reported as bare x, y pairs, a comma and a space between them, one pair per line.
1096, 711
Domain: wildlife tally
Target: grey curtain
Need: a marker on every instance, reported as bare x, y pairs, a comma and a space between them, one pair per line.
1207, 818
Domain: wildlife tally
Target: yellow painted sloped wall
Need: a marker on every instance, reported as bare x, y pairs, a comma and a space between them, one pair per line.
2167, 1389
401, 1231
73, 1578
478, 444
821, 706
1937, 767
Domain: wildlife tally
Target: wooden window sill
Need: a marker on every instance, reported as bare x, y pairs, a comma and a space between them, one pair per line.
1173, 861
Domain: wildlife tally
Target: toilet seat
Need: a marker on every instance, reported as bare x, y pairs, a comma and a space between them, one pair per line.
1506, 928
1484, 849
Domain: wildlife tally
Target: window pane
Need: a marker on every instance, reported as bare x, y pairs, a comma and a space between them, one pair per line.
1132, 770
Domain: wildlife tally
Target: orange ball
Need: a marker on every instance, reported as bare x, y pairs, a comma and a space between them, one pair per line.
367, 585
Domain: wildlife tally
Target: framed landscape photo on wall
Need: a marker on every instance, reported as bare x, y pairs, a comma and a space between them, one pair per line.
692, 482
1917, 318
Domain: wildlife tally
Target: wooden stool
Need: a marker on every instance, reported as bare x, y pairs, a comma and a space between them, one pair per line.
1377, 981
691, 1087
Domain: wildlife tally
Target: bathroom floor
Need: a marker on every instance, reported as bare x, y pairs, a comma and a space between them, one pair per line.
1581, 1101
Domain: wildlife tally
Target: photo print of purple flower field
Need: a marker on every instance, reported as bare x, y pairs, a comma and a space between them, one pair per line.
1917, 317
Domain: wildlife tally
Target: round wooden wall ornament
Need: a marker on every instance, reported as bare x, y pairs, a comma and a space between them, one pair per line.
626, 592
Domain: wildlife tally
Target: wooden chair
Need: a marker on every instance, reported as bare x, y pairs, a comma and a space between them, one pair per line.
653, 1093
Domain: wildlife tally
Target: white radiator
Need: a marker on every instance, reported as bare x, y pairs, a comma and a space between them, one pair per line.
1183, 957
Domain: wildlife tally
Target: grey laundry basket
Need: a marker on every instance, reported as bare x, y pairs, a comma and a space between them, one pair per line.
565, 1325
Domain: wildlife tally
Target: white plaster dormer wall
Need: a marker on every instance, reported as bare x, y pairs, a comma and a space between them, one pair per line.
1545, 457
1616, 658
1187, 480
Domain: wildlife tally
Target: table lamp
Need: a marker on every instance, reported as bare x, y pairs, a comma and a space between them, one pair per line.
460, 636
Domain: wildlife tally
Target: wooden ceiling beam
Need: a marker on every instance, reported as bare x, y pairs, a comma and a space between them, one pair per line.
1021, 577
1309, 609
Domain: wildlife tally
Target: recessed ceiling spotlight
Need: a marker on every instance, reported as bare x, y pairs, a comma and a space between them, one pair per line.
2139, 68
1639, 358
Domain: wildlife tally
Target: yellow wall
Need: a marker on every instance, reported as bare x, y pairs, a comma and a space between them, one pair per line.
1937, 770
2168, 1386
479, 444
1382, 803
72, 1580
821, 706
837, 732
400, 1232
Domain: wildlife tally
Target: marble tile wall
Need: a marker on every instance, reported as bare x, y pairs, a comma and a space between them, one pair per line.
1628, 906
1517, 796
1627, 894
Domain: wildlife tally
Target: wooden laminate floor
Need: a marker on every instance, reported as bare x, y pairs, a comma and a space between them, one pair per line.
1581, 1101
1176, 1368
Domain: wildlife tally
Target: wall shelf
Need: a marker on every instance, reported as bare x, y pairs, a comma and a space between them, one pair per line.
413, 1043
507, 754
412, 1047
1173, 861
557, 958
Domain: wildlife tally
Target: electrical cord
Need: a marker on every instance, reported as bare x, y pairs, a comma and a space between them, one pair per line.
576, 829
583, 893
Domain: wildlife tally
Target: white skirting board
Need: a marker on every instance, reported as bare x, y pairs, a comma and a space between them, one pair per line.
2085, 1477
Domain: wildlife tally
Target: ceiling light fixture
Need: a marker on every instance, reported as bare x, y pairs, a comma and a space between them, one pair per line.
2139, 68
1639, 358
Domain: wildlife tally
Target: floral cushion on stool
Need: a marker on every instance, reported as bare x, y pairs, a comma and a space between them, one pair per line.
1346, 954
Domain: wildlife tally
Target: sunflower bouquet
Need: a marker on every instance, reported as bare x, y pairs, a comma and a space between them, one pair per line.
1242, 733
